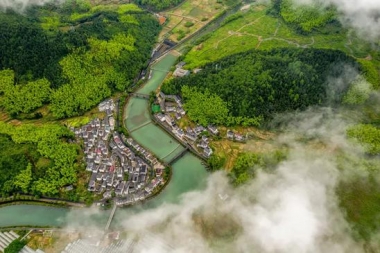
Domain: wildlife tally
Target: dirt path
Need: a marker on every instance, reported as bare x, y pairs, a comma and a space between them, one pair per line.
184, 17
260, 37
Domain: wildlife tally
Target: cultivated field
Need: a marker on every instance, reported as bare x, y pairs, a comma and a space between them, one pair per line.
189, 17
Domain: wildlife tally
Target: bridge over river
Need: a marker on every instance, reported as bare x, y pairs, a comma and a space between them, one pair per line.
139, 95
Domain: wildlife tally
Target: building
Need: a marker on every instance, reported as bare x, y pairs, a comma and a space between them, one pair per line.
191, 136
239, 137
179, 72
207, 152
213, 129
230, 134
199, 129
169, 120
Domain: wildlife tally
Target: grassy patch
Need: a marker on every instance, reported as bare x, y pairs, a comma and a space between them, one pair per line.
254, 29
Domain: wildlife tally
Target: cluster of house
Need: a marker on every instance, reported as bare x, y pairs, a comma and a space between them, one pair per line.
235, 136
115, 166
172, 111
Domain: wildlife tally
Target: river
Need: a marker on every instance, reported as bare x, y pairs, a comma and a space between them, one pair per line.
188, 172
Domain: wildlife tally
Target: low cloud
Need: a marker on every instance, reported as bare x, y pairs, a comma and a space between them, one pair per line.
294, 209
362, 15
21, 5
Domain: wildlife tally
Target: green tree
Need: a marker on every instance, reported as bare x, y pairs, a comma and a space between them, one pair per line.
215, 162
24, 98
367, 135
15, 246
24, 178
245, 167
204, 108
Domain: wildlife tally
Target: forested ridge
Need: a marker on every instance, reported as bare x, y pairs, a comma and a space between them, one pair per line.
261, 83
85, 54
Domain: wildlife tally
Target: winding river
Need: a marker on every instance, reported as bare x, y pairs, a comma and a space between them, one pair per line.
188, 172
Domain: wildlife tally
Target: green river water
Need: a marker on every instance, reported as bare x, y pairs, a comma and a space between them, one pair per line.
188, 172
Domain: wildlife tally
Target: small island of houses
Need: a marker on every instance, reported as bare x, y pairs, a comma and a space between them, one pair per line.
119, 167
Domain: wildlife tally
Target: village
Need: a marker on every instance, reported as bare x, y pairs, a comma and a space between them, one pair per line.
120, 168
124, 171
172, 111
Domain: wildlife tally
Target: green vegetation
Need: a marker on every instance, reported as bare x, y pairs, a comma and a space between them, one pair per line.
13, 159
188, 24
247, 164
259, 29
15, 246
232, 18
245, 167
204, 108
305, 17
100, 53
158, 4
358, 93
360, 196
167, 173
258, 84
215, 162
29, 144
368, 136
23, 98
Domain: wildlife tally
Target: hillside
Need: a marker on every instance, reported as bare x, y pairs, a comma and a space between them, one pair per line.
256, 27
259, 84
85, 53
59, 61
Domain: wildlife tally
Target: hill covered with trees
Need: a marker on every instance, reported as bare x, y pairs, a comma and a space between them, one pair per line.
258, 84
65, 58
83, 53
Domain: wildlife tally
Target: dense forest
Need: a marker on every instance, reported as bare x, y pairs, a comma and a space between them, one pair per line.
36, 159
258, 84
83, 53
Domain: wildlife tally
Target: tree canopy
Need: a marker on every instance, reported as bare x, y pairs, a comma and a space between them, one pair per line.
15, 246
258, 84
367, 135
22, 149
23, 98
72, 62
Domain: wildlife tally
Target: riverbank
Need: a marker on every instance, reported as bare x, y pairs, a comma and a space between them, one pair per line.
31, 200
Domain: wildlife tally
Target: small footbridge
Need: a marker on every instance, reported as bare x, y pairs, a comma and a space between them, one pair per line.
111, 216
139, 95
179, 155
